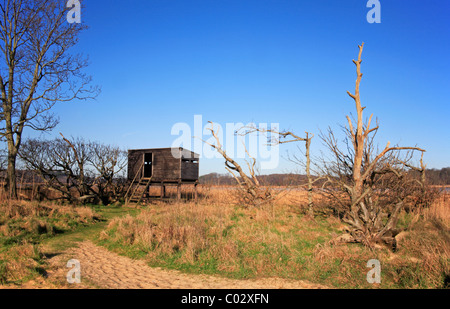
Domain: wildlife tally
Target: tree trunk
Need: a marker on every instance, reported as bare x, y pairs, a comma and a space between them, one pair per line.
37, 71
11, 185
308, 175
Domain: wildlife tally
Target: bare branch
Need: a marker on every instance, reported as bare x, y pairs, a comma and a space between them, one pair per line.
250, 186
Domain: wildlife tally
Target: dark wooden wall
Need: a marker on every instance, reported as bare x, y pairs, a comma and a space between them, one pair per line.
189, 170
134, 162
169, 164
189, 165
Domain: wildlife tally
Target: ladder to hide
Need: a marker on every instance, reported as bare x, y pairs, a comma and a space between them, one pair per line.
138, 187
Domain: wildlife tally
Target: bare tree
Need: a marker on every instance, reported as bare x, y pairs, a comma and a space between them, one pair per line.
276, 137
108, 164
373, 180
36, 70
252, 192
73, 159
54, 162
79, 170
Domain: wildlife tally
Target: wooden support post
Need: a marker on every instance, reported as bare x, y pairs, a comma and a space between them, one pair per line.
195, 192
163, 190
179, 191
147, 192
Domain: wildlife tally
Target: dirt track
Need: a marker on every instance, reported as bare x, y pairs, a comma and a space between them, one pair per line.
101, 268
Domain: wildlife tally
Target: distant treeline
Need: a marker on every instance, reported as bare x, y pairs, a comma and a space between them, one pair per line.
434, 177
272, 180
439, 177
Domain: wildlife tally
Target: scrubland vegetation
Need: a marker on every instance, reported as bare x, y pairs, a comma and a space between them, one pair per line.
217, 236
24, 225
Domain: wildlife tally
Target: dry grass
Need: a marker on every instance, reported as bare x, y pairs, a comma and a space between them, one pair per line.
167, 229
439, 210
22, 218
226, 195
23, 225
224, 239
20, 263
217, 236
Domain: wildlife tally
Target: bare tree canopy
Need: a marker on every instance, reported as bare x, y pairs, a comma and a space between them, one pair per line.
79, 170
36, 69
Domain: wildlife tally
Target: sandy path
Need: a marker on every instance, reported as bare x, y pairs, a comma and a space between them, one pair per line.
101, 268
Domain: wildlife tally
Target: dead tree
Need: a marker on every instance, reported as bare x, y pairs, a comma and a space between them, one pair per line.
277, 138
361, 173
36, 70
252, 191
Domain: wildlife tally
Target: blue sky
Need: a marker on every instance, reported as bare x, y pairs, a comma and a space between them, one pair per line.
160, 62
